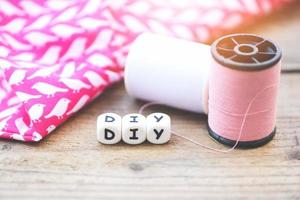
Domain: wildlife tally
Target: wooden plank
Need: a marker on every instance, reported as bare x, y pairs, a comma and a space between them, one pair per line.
71, 164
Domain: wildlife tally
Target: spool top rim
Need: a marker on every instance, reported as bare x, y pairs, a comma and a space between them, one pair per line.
246, 52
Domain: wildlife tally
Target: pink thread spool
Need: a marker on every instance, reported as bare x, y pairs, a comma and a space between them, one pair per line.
244, 68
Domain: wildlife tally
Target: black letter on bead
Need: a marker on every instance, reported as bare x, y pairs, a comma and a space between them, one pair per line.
133, 118
158, 134
134, 137
158, 118
109, 118
109, 134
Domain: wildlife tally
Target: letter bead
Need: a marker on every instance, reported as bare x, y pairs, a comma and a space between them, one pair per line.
158, 128
134, 128
109, 127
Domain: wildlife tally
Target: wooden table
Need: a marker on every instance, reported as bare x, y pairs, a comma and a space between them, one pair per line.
71, 164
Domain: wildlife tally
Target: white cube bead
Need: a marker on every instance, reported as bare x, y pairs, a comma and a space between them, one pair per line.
134, 128
109, 127
158, 128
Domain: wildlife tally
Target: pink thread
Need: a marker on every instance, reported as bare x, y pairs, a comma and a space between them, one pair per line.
141, 110
241, 102
241, 129
235, 96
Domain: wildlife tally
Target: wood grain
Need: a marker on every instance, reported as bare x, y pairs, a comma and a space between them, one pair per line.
71, 164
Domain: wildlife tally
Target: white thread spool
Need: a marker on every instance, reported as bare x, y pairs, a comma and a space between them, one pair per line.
168, 70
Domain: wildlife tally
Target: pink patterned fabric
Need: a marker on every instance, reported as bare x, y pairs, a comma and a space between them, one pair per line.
57, 56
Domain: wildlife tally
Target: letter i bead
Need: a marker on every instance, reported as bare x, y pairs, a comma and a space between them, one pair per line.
134, 129
109, 127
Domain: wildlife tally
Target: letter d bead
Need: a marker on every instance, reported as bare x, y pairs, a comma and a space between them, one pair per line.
109, 127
